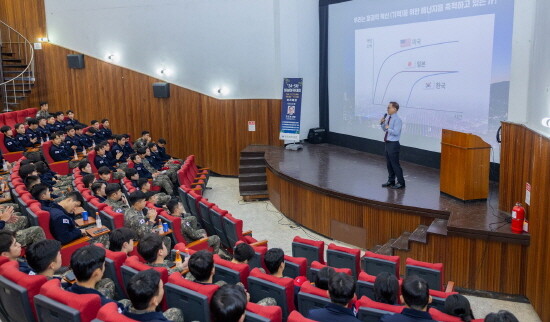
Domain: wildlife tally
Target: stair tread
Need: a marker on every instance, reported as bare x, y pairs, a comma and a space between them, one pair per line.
252, 158
386, 249
253, 183
419, 234
7, 54
254, 193
438, 227
252, 166
15, 66
249, 175
402, 242
376, 248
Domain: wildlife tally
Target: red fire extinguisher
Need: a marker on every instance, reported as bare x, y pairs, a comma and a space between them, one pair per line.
518, 216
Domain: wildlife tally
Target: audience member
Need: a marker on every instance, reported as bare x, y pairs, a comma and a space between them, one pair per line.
11, 248
458, 305
341, 290
122, 240
98, 190
9, 140
44, 257
415, 295
9, 221
274, 260
43, 112
501, 316
242, 253
229, 304
115, 198
386, 288
87, 180
323, 276
152, 248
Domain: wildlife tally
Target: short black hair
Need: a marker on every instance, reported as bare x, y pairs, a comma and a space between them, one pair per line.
323, 276
228, 304
161, 141
78, 127
341, 288
133, 156
172, 204
130, 172
112, 188
395, 104
386, 288
273, 259
31, 180
88, 179
42, 253
41, 167
501, 316
145, 132
141, 151
39, 190
104, 120
17, 125
40, 118
56, 135
120, 236
93, 122
149, 247
92, 130
141, 182
42, 103
5, 128
135, 197
119, 137
82, 164
75, 196
68, 128
103, 169
96, 186
26, 170
149, 195
69, 111
32, 121
6, 239
201, 264
415, 292
86, 260
142, 287
243, 252
458, 305
151, 144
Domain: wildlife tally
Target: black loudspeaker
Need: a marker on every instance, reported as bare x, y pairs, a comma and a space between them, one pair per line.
161, 90
317, 135
75, 61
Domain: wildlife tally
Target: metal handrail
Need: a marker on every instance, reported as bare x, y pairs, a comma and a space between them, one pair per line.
25, 52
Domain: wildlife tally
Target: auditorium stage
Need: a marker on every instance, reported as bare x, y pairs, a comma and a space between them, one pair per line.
356, 177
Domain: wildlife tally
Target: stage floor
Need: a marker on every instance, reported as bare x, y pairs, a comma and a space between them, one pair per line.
358, 176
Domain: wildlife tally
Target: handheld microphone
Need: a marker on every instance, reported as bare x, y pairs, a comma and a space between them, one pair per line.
385, 114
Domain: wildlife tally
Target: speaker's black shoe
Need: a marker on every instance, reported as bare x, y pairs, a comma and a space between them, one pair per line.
388, 184
398, 186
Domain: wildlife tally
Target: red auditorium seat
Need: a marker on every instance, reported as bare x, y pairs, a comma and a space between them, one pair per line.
439, 297
295, 266
430, 272
197, 245
113, 263
111, 218
312, 250
216, 217
296, 316
311, 297
272, 313
344, 257
261, 285
316, 266
10, 118
17, 291
61, 167
55, 304
109, 313
374, 264
8, 156
231, 272
443, 317
203, 212
370, 310
365, 285
132, 265
21, 116
2, 120
193, 299
91, 158
233, 231
3, 260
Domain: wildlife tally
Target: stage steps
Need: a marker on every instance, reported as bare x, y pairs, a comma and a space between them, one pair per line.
252, 176
419, 235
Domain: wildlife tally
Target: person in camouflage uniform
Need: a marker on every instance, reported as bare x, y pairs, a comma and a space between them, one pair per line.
191, 228
159, 179
43, 110
137, 221
146, 291
152, 248
115, 198
143, 140
170, 173
144, 185
25, 236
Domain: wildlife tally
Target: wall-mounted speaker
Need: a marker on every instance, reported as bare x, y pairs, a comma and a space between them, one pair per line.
75, 61
161, 90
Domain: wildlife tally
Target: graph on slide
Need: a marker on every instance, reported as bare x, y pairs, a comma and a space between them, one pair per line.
438, 71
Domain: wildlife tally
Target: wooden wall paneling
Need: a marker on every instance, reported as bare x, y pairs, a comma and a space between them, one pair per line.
251, 110
274, 117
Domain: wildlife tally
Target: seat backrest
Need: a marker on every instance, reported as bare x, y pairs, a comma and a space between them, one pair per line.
256, 312
432, 273
191, 298
91, 158
365, 285
369, 314
2, 145
86, 304
230, 272
375, 264
257, 260
316, 266
46, 146
440, 316
233, 229
295, 266
175, 224
2, 120
261, 285
109, 313
192, 200
113, 264
183, 197
134, 263
17, 291
296, 316
10, 118
216, 216
53, 311
111, 218
312, 250
20, 116
344, 257
438, 299
311, 297
204, 210
366, 302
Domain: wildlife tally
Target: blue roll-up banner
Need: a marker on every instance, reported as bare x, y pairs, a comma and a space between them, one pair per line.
291, 109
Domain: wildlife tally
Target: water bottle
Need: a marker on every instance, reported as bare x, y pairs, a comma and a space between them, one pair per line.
98, 220
159, 227
75, 155
5, 166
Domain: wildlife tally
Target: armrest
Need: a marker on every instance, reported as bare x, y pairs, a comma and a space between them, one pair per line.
450, 287
249, 233
260, 243
201, 244
76, 242
12, 156
59, 162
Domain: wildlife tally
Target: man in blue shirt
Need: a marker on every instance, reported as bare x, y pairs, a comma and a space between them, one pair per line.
9, 141
415, 294
22, 138
58, 152
392, 128
341, 289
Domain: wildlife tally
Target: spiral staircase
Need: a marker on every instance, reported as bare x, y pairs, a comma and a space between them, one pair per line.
17, 68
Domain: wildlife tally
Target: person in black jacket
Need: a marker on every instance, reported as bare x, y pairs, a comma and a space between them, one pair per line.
415, 294
59, 153
22, 138
341, 289
9, 141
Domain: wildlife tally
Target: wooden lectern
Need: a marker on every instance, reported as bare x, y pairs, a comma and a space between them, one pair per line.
465, 165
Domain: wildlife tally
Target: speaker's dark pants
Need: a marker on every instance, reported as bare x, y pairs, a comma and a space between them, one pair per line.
392, 161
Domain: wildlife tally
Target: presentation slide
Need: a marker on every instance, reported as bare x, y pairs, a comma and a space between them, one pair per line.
447, 64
